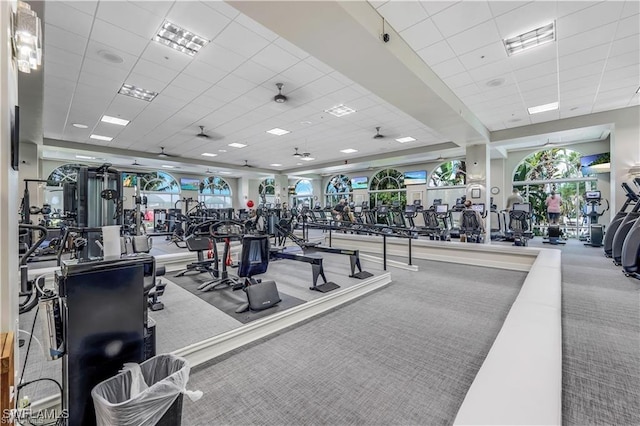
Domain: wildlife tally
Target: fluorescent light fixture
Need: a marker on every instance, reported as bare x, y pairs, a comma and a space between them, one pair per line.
237, 145
222, 172
168, 167
543, 108
208, 154
101, 138
85, 157
276, 165
114, 120
278, 132
80, 126
405, 139
179, 39
307, 158
340, 110
349, 150
222, 150
298, 164
533, 38
137, 92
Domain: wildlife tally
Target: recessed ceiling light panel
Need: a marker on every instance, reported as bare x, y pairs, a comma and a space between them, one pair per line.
166, 166
278, 132
307, 158
530, 39
137, 92
276, 165
340, 110
101, 138
405, 139
179, 39
349, 150
543, 108
237, 145
85, 157
208, 154
80, 126
114, 120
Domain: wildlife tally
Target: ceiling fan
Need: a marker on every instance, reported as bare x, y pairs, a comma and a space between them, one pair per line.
209, 172
202, 134
164, 154
280, 98
297, 154
378, 135
135, 163
246, 164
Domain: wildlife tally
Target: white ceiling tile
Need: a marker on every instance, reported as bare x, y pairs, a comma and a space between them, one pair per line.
63, 40
125, 107
621, 61
586, 39
65, 71
291, 48
478, 36
71, 19
542, 96
402, 15
610, 105
319, 65
146, 82
301, 74
95, 51
253, 72
592, 17
536, 70
106, 33
628, 26
377, 3
582, 71
436, 53
569, 7
433, 7
484, 55
209, 101
97, 73
490, 71
257, 28
458, 80
221, 94
52, 82
166, 56
180, 93
625, 45
526, 18
621, 73
573, 97
275, 58
576, 83
583, 57
467, 90
235, 84
86, 6
130, 17
501, 7
198, 18
204, 72
155, 71
159, 8
448, 68
536, 83
421, 34
461, 16
62, 56
220, 57
545, 116
241, 40
623, 85
631, 7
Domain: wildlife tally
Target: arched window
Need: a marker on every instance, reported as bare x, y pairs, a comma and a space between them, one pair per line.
556, 169
303, 194
304, 187
161, 189
267, 190
65, 173
386, 187
451, 173
339, 186
215, 193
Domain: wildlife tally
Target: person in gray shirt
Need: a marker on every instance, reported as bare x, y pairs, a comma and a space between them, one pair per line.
514, 198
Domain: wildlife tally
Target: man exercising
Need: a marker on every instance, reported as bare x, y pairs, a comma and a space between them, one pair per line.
514, 198
339, 208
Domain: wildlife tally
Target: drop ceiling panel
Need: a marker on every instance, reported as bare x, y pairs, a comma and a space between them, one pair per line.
448, 68
291, 48
95, 72
433, 7
591, 17
125, 107
241, 40
499, 69
484, 55
422, 34
628, 27
110, 35
582, 71
63, 40
436, 53
594, 37
536, 83
402, 15
73, 20
159, 8
534, 71
621, 61
537, 55
461, 15
68, 72
219, 57
501, 7
130, 17
166, 56
474, 38
202, 72
584, 57
86, 6
198, 18
526, 18
253, 72
625, 45
275, 58
461, 79
145, 82
155, 71
98, 51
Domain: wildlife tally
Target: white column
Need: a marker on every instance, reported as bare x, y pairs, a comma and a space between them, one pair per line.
478, 161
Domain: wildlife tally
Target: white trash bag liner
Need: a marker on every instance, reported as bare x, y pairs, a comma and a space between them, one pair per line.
142, 393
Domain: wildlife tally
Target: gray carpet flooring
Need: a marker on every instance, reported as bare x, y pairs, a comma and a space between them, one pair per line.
405, 354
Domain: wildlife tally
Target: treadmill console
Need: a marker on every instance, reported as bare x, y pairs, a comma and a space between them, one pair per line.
442, 208
592, 195
478, 207
524, 207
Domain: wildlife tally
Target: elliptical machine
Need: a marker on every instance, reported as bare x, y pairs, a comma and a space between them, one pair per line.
596, 232
615, 223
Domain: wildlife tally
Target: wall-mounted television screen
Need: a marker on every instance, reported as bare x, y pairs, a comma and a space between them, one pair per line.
189, 184
418, 177
129, 180
360, 182
597, 163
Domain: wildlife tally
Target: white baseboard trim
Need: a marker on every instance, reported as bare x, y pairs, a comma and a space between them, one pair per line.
390, 263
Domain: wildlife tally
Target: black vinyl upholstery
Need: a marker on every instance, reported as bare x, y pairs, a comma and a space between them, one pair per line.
254, 258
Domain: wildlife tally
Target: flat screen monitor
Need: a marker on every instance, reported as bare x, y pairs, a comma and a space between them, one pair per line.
360, 182
524, 207
129, 180
442, 208
418, 177
189, 184
597, 163
592, 195
478, 207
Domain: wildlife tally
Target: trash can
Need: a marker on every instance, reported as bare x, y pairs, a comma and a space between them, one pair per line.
144, 394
